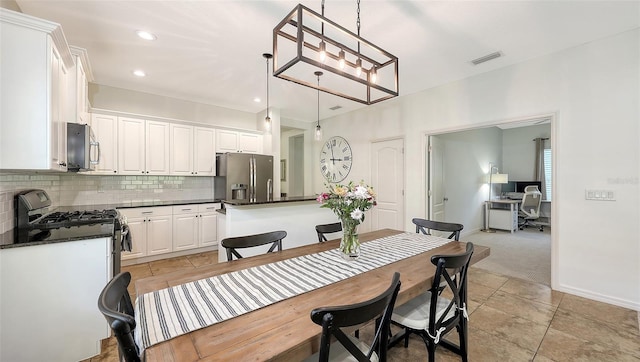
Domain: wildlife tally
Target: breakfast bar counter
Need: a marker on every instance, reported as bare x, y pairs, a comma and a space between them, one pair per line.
298, 216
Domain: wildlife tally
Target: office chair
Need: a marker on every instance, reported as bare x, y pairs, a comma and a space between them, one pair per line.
248, 241
327, 229
431, 315
114, 303
530, 207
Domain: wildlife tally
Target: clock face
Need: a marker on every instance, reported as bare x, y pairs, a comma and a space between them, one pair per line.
335, 159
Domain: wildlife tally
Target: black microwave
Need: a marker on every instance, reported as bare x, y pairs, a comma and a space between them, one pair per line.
83, 151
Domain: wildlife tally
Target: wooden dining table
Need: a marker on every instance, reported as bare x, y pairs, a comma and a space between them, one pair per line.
283, 331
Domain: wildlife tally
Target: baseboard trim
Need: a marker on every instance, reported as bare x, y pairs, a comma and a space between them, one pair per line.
629, 304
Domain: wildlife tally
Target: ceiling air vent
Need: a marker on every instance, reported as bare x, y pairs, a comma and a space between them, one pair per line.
486, 58
335, 108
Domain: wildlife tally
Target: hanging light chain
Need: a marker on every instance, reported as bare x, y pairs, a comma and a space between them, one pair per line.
322, 24
318, 75
267, 87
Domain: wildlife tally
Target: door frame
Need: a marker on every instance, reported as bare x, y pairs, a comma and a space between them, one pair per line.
524, 121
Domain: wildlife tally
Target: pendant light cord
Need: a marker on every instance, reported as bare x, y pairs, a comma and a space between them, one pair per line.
267, 87
358, 24
318, 101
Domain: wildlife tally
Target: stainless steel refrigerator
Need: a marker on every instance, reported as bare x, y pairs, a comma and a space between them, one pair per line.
244, 177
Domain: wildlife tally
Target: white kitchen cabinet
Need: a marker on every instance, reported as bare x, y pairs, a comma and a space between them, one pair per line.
33, 74
234, 141
105, 128
143, 147
208, 224
194, 226
185, 227
192, 150
151, 231
78, 87
204, 151
48, 309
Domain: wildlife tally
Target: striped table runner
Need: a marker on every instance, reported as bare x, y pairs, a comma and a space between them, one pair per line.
170, 312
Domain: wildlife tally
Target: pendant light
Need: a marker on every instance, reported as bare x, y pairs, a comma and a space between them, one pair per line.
267, 119
318, 133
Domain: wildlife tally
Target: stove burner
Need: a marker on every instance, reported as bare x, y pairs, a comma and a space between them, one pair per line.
76, 218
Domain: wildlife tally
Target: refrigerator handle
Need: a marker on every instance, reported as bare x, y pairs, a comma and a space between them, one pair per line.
253, 178
269, 189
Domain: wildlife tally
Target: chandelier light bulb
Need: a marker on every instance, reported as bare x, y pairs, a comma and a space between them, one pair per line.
318, 133
341, 61
323, 51
358, 67
374, 75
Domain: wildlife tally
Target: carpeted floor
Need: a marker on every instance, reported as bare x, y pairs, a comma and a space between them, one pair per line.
525, 254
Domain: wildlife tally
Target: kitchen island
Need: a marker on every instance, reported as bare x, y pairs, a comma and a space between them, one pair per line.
297, 215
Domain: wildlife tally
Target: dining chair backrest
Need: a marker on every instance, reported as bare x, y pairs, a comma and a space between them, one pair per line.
114, 303
327, 229
249, 241
333, 319
425, 226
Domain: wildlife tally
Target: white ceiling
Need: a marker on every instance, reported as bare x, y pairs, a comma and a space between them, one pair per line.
211, 51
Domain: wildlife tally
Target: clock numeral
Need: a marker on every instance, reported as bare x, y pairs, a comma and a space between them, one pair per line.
328, 144
345, 149
347, 158
333, 142
324, 168
322, 160
334, 176
346, 167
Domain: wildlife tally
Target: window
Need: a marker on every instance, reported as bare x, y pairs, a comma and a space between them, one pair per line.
547, 172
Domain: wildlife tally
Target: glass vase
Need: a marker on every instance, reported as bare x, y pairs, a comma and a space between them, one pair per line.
350, 244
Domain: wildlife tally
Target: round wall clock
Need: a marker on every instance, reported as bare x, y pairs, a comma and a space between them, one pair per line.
335, 159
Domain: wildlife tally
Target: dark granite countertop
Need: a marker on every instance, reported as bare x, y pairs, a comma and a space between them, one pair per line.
37, 237
130, 205
275, 200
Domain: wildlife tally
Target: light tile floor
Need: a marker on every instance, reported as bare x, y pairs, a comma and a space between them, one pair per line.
510, 320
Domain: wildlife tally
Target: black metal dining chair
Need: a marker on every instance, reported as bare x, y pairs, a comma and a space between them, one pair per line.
333, 319
425, 226
431, 315
327, 229
240, 242
114, 303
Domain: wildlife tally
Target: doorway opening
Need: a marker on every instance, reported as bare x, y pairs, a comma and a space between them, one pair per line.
457, 164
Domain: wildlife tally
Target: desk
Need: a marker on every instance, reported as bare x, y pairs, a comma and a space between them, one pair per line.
504, 219
284, 331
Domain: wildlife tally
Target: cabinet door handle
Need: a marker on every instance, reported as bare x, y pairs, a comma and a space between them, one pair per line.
147, 212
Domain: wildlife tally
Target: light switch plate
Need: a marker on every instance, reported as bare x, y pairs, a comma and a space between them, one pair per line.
602, 195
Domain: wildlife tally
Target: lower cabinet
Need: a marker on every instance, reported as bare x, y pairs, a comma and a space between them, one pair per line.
151, 231
166, 229
194, 226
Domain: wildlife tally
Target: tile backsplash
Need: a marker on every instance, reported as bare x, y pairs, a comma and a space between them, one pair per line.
77, 189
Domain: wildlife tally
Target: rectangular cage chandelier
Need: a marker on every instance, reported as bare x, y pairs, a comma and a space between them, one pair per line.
305, 41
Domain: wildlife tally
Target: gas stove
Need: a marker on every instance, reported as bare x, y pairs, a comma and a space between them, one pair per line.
60, 219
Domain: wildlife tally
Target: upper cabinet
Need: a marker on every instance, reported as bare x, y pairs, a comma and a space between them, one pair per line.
234, 141
192, 150
78, 83
105, 128
33, 74
143, 147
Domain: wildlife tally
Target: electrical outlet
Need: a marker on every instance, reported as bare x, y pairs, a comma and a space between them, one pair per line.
602, 195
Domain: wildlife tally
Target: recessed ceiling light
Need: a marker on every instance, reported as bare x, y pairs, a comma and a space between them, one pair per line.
139, 73
146, 35
256, 99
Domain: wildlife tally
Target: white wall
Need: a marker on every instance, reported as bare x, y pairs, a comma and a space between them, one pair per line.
466, 162
124, 100
519, 150
593, 89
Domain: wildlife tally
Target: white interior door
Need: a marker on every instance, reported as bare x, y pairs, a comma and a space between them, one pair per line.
437, 197
387, 179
